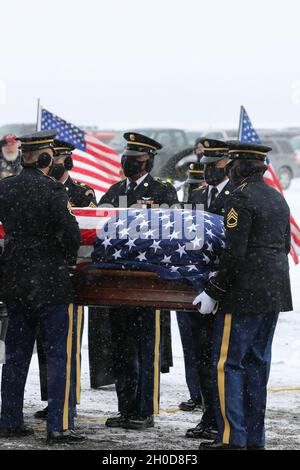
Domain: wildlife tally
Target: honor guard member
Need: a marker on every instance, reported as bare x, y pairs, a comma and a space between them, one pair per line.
42, 238
135, 331
10, 156
252, 286
213, 198
194, 180
80, 195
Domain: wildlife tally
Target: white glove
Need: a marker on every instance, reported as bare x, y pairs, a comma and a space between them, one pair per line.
207, 304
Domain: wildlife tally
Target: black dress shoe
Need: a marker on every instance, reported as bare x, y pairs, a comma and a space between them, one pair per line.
202, 432
139, 423
64, 437
19, 431
42, 414
116, 421
218, 445
191, 405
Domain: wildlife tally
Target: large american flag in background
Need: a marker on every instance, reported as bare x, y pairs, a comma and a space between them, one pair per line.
247, 133
95, 163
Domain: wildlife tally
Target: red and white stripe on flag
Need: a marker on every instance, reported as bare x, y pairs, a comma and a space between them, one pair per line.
90, 221
271, 179
98, 166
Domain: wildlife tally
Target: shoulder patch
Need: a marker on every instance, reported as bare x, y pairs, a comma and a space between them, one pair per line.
232, 219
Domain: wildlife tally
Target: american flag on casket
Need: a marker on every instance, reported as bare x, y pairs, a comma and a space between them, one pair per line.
176, 244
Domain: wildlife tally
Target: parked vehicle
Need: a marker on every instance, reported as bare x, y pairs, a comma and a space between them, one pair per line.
284, 159
17, 129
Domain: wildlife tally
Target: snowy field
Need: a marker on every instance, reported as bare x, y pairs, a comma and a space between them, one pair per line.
283, 415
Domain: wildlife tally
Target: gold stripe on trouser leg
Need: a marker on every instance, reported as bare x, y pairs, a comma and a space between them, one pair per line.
156, 363
68, 369
221, 375
78, 350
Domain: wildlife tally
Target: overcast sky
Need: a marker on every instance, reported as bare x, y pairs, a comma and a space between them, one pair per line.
123, 63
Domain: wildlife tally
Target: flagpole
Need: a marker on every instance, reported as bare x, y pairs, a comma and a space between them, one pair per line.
240, 123
38, 115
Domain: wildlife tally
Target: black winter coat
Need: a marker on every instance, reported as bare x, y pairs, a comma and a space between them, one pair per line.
253, 276
42, 238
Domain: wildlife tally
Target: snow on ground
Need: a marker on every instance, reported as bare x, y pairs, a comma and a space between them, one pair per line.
283, 416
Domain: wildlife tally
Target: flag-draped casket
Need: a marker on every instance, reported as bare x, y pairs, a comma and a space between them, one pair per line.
146, 257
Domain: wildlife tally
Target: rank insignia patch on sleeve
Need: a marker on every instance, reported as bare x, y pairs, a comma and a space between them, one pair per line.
232, 219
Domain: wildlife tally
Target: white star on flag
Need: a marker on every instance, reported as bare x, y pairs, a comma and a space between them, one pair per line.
174, 235
142, 256
131, 243
167, 259
174, 269
149, 233
192, 267
209, 247
117, 254
209, 232
169, 224
144, 224
181, 250
206, 259
209, 222
156, 245
196, 242
106, 242
192, 228
124, 232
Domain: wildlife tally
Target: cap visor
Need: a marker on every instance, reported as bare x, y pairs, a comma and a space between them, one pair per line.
134, 153
205, 159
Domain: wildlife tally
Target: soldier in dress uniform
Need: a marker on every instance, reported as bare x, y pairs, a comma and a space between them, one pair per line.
213, 198
42, 238
252, 286
135, 331
80, 195
195, 179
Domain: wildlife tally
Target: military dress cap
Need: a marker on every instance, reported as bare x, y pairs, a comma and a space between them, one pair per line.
139, 144
8, 139
38, 140
195, 173
214, 150
247, 150
62, 148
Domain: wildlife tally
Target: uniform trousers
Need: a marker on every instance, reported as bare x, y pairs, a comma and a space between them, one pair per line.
241, 357
55, 323
135, 336
202, 327
184, 320
78, 324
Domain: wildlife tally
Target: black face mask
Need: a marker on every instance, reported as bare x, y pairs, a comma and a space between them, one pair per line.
131, 167
214, 176
57, 171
